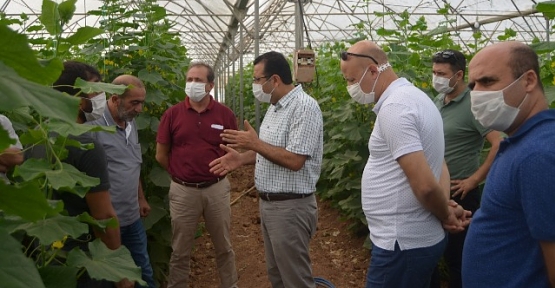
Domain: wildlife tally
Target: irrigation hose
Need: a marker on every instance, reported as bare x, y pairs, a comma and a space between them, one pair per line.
323, 282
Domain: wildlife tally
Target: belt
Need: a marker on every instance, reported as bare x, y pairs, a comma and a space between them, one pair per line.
281, 196
198, 185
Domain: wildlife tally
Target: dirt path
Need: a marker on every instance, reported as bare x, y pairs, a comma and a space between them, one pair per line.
337, 255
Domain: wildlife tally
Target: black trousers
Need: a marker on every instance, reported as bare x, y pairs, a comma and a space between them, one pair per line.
455, 243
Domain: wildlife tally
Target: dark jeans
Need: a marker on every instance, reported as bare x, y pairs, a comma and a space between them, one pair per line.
133, 237
453, 251
408, 268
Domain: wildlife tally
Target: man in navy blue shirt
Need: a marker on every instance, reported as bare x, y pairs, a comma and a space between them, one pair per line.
511, 241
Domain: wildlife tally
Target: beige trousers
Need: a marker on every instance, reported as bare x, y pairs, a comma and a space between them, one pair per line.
187, 204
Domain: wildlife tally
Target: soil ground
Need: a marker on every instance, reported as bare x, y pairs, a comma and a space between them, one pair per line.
336, 253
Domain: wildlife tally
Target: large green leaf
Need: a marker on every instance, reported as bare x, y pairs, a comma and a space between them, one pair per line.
27, 201
16, 270
547, 8
16, 53
89, 87
73, 128
83, 35
159, 177
66, 10
65, 179
59, 276
112, 265
157, 212
50, 17
55, 228
17, 92
151, 77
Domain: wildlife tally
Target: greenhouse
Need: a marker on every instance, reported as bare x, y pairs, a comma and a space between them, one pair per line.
117, 48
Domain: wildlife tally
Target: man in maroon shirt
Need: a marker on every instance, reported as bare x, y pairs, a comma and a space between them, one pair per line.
188, 140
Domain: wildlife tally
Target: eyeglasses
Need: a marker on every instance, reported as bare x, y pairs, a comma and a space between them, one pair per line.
446, 54
345, 55
256, 79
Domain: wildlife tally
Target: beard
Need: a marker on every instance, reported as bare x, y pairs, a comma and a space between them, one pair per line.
126, 116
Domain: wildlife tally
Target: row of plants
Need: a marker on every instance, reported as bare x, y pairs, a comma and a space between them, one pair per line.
131, 39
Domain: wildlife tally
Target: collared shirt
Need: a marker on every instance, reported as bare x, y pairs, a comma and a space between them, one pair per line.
7, 125
407, 121
516, 212
294, 123
464, 135
123, 154
194, 138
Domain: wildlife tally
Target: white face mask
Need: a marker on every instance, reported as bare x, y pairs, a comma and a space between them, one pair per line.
490, 109
441, 84
195, 90
356, 92
98, 106
259, 94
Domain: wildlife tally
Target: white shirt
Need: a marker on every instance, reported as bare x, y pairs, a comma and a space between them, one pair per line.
407, 121
294, 123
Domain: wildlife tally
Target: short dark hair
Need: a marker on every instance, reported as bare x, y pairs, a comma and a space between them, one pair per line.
275, 63
211, 76
522, 59
72, 71
454, 58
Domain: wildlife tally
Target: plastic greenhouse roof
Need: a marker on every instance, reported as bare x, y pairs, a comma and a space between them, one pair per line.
219, 31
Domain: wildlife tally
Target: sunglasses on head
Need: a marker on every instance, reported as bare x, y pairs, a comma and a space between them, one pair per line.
345, 55
446, 54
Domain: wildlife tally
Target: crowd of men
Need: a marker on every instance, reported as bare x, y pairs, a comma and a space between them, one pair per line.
420, 188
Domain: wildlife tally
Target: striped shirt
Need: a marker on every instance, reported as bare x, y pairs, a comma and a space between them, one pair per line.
294, 123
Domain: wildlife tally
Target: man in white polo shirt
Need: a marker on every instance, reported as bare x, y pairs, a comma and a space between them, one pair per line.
405, 206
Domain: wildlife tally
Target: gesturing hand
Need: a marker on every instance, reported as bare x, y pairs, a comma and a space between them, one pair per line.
227, 163
241, 139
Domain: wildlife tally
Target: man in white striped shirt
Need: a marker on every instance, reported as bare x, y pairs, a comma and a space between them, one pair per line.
288, 158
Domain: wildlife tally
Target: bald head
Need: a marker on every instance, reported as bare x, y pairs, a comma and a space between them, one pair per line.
128, 80
369, 48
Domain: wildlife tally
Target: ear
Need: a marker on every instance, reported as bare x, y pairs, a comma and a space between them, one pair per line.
531, 80
210, 86
114, 98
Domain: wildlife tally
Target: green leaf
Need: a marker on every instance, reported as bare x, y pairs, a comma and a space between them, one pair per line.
151, 77
142, 121
112, 265
159, 177
27, 201
16, 53
73, 128
89, 87
100, 224
59, 276
547, 8
16, 270
50, 17
157, 212
55, 228
83, 35
64, 179
66, 10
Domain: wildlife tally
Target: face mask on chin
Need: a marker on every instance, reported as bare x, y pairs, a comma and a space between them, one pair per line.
441, 84
195, 90
98, 106
259, 93
356, 92
490, 109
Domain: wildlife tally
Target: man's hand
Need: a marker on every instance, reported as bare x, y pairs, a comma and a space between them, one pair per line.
458, 218
125, 283
144, 207
227, 163
462, 187
241, 139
